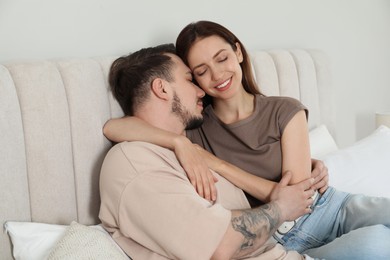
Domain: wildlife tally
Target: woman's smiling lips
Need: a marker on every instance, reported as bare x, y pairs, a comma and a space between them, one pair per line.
224, 85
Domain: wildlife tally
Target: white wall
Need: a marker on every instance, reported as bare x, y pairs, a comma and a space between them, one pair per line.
354, 33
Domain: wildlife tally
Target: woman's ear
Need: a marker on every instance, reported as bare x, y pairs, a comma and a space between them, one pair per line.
159, 88
239, 55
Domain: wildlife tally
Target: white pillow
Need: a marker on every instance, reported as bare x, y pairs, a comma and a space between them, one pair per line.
363, 167
35, 241
321, 142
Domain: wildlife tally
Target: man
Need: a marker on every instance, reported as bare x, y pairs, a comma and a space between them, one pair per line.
147, 202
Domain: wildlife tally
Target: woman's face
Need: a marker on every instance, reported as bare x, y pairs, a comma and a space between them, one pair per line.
216, 66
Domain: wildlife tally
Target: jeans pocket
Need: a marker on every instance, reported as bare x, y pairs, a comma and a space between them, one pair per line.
324, 199
316, 228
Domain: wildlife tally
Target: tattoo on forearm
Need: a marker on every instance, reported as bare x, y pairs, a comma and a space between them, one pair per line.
255, 224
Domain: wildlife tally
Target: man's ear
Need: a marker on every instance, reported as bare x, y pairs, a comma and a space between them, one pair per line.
159, 88
239, 55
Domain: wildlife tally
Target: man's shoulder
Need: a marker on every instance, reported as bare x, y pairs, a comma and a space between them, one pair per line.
139, 154
135, 148
131, 159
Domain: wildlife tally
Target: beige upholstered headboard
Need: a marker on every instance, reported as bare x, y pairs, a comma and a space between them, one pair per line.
51, 118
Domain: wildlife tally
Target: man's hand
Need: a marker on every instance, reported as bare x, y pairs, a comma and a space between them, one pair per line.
294, 200
320, 175
196, 169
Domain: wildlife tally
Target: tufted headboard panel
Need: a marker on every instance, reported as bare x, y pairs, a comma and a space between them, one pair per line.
51, 119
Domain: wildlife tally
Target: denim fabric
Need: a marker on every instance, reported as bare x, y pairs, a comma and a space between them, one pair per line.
371, 242
343, 226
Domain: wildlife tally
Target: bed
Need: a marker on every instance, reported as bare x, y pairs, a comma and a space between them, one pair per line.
51, 118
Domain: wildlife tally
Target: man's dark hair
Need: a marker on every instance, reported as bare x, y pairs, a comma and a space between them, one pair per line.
131, 76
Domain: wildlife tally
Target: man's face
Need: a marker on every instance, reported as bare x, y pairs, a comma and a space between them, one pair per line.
187, 97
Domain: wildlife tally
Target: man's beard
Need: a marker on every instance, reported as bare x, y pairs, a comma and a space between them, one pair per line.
189, 121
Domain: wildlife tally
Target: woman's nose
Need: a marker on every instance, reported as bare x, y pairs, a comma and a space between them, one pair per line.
216, 74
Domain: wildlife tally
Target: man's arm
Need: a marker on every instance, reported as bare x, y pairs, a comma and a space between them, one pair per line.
250, 229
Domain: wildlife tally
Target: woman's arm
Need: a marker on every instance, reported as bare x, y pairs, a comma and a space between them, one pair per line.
132, 128
256, 186
296, 148
135, 129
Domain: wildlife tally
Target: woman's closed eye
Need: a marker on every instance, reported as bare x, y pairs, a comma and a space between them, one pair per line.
223, 59
201, 72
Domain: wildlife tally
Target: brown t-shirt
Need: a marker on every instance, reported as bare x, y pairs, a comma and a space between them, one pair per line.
253, 144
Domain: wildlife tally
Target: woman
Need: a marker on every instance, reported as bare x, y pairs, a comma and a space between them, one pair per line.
264, 136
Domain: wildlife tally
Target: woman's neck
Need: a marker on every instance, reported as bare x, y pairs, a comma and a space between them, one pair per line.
234, 109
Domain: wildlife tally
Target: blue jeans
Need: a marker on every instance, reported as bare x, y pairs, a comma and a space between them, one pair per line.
343, 226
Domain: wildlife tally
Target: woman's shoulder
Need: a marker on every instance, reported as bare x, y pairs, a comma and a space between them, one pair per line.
279, 101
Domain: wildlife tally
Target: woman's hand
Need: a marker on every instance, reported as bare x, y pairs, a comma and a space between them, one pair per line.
320, 175
196, 168
212, 161
293, 200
